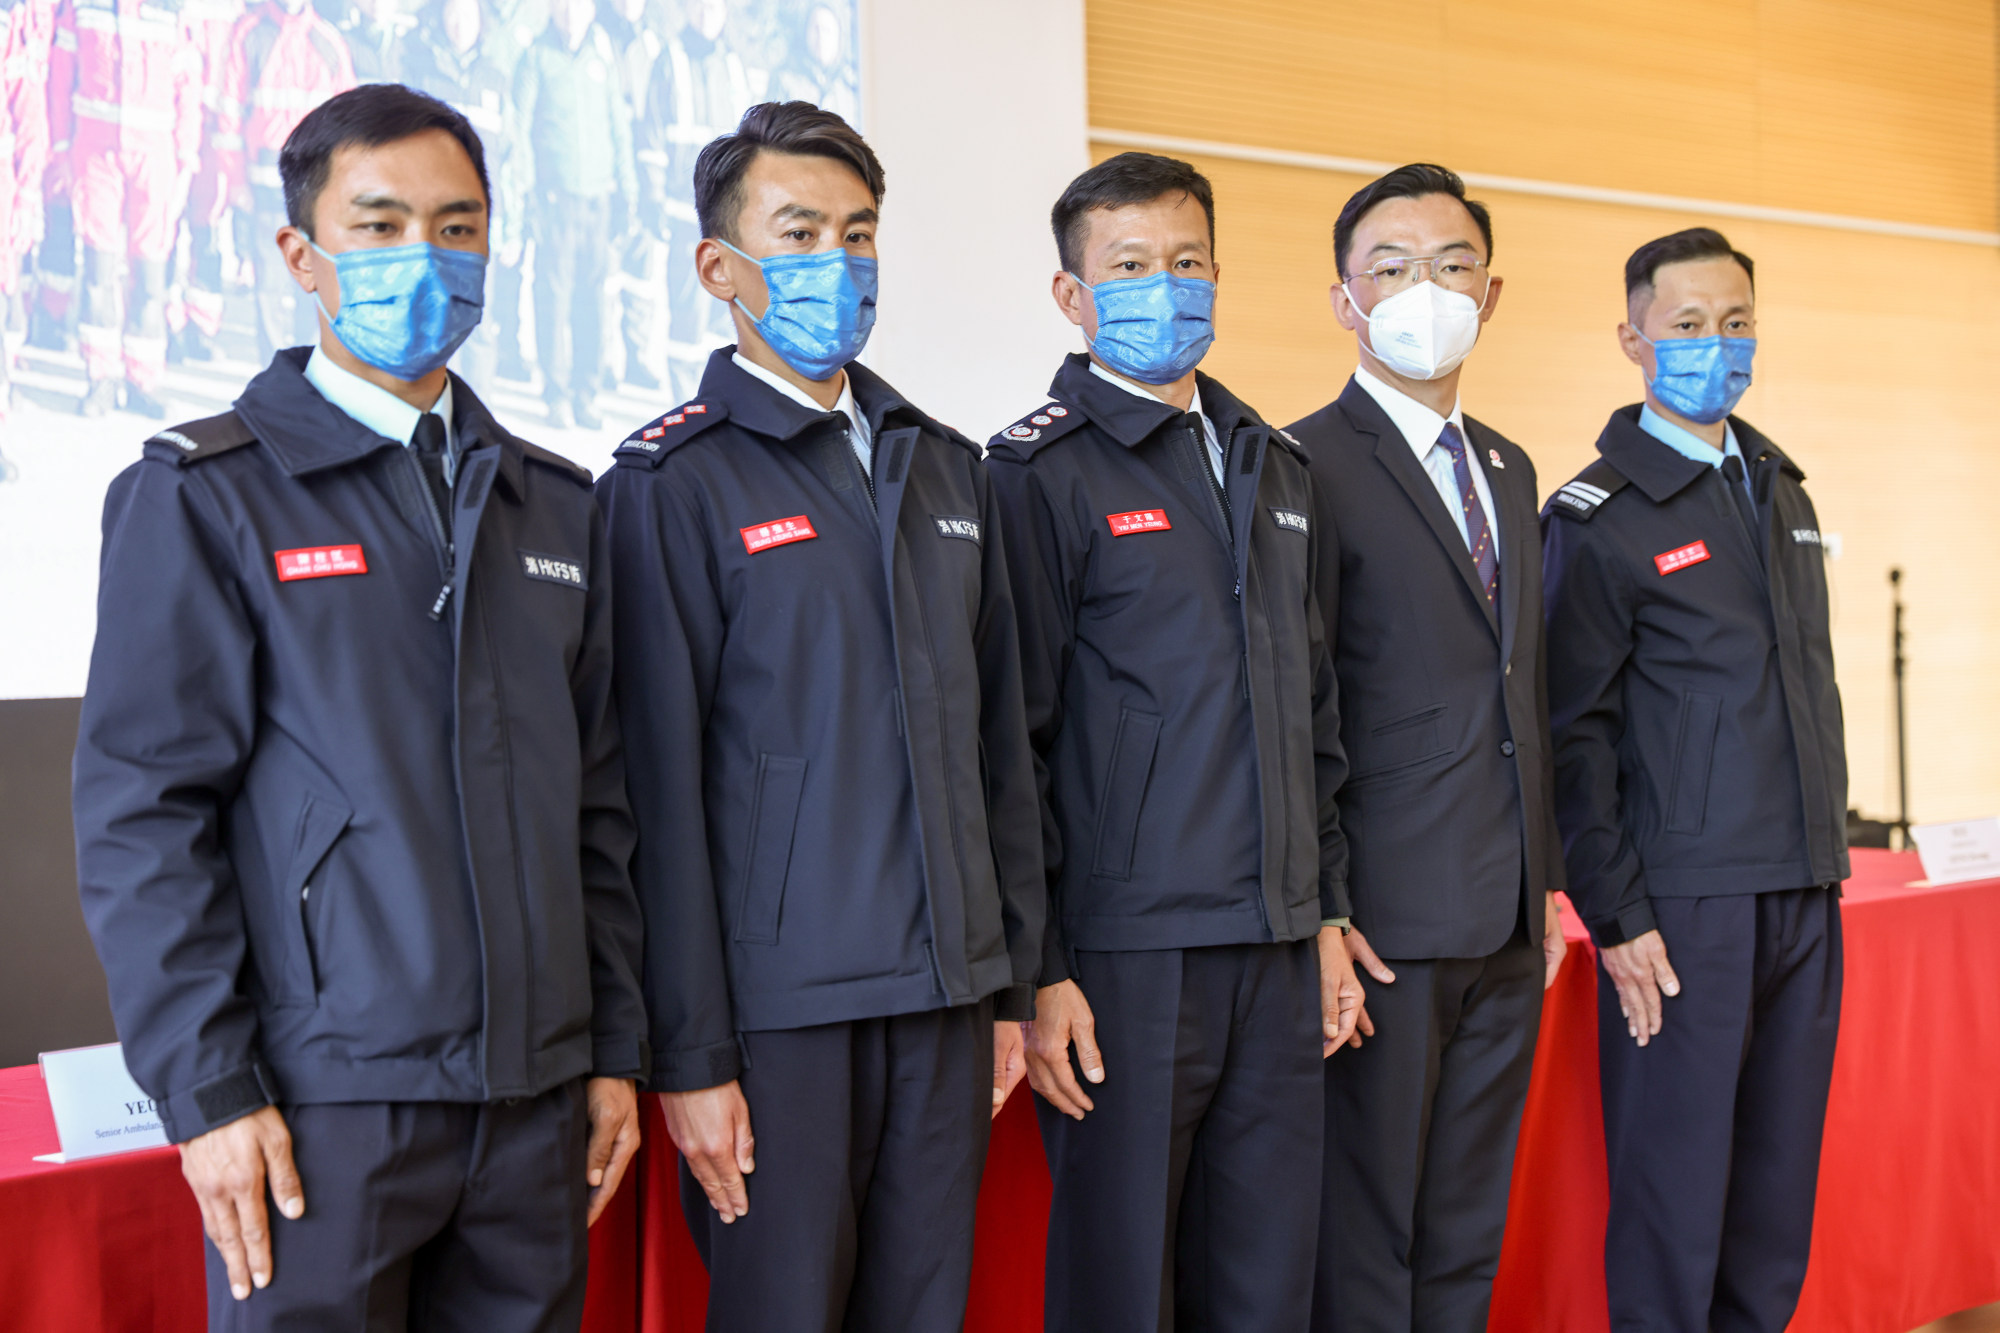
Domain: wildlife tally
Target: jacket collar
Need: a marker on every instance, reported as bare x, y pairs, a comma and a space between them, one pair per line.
756, 406
1662, 471
1130, 419
308, 434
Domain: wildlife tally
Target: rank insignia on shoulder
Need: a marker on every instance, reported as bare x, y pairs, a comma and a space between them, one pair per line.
1580, 497
662, 433
1045, 424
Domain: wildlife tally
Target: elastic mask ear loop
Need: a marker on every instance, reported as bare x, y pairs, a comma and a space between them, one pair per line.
738, 301
318, 299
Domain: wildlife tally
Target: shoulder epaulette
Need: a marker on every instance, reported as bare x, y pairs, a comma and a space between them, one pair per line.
1581, 498
549, 458
197, 441
664, 434
1291, 442
1039, 428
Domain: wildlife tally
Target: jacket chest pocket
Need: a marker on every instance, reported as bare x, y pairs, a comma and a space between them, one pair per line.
1125, 793
774, 815
302, 904
1694, 757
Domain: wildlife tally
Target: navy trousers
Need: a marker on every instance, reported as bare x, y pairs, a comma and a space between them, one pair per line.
1420, 1130
1713, 1129
429, 1216
871, 1141
1187, 1199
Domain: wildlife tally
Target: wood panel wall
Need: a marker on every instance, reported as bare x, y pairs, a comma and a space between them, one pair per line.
1878, 355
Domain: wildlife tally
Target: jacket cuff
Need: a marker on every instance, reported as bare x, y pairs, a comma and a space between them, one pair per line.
1055, 958
195, 1111
1016, 1004
1333, 899
621, 1056
697, 1068
1627, 926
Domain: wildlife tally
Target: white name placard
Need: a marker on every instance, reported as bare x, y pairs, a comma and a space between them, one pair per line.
98, 1108
1955, 853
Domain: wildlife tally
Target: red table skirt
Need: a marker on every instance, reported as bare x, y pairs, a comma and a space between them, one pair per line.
1907, 1228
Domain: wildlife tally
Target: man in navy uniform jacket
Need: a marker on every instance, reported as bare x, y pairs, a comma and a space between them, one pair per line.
1181, 704
1701, 786
839, 851
351, 822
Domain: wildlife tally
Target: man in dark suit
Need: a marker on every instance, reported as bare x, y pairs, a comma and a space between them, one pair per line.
1430, 585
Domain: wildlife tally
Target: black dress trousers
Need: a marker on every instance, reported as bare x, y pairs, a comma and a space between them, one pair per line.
1712, 1130
431, 1217
1421, 1124
871, 1142
1187, 1199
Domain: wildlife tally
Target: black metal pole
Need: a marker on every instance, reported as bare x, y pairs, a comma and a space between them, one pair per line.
1902, 735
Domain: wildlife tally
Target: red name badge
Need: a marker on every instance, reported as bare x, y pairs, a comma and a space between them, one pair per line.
1139, 520
318, 562
763, 536
1681, 559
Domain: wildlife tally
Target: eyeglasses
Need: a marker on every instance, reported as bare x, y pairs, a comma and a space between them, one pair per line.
1457, 271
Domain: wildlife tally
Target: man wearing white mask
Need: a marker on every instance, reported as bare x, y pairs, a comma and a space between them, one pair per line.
1430, 588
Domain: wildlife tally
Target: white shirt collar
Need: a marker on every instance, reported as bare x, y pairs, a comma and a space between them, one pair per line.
1133, 386
844, 404
374, 406
1420, 426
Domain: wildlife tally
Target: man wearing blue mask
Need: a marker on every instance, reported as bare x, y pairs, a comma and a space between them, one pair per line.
1429, 585
839, 852
1180, 701
1701, 786
351, 823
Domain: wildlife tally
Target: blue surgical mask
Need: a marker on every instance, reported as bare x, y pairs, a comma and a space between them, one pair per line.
819, 310
1701, 379
405, 309
1153, 329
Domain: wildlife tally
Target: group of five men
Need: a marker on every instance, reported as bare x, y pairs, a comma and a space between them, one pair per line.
895, 769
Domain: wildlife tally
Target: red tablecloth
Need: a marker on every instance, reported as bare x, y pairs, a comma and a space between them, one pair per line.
1908, 1226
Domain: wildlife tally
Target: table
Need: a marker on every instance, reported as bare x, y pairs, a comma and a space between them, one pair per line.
1909, 1200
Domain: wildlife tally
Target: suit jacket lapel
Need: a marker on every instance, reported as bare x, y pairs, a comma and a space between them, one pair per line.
1519, 557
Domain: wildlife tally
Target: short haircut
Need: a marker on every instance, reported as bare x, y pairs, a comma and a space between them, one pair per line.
367, 117
1679, 248
1120, 182
799, 128
1411, 182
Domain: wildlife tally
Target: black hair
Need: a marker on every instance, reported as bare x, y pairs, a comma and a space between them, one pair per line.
1679, 248
779, 127
1120, 182
368, 116
1411, 182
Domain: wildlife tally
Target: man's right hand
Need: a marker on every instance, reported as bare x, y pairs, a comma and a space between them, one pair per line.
712, 1129
1063, 1016
227, 1169
1640, 971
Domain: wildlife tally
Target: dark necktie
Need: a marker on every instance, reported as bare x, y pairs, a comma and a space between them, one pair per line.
1746, 508
1478, 533
429, 442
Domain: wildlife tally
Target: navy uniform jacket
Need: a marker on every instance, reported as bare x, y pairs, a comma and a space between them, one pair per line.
339, 842
1179, 694
1444, 715
1699, 748
821, 689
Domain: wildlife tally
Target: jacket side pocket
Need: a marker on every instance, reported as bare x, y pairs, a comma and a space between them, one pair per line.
1125, 793
321, 823
781, 781
1694, 756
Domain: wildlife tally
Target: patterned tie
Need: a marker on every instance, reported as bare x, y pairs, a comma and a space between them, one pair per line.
1478, 535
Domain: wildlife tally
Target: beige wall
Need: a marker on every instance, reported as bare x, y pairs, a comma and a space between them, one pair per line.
1877, 353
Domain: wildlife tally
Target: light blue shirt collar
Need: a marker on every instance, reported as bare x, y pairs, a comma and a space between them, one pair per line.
374, 406
1689, 445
